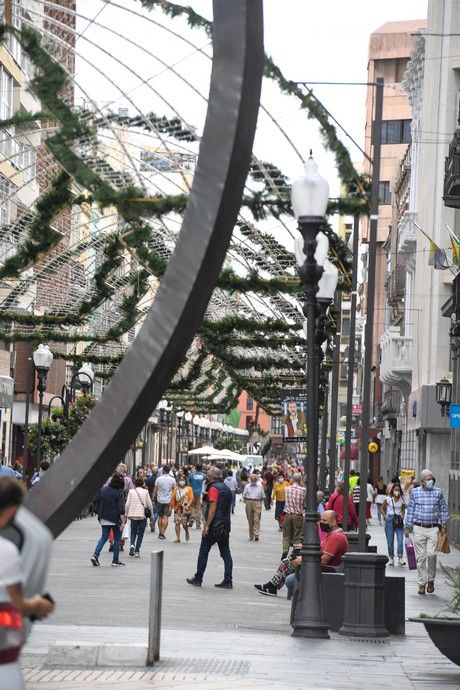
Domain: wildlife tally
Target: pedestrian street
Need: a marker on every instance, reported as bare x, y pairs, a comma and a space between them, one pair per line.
215, 638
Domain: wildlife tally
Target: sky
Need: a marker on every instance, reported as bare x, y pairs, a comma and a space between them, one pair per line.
309, 41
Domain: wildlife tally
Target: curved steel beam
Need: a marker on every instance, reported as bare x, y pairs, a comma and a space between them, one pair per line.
213, 205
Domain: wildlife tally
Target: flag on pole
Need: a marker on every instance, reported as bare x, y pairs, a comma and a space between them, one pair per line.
437, 257
455, 243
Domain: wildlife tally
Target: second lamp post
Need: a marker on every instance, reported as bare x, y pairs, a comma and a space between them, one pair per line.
43, 359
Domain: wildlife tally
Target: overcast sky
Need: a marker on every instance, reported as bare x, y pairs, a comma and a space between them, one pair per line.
310, 41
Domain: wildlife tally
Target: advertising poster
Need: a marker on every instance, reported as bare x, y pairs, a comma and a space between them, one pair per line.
294, 414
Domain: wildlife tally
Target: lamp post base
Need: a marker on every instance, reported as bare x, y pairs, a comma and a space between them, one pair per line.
317, 632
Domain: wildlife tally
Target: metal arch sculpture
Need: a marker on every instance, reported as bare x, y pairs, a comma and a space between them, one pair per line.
174, 317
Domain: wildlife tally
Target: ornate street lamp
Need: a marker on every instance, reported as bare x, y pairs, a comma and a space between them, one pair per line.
444, 395
310, 195
85, 377
43, 359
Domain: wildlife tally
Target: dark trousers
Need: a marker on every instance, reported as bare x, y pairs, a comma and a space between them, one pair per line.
268, 497
137, 533
105, 535
205, 547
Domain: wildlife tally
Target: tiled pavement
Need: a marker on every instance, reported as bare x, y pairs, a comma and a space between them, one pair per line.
220, 640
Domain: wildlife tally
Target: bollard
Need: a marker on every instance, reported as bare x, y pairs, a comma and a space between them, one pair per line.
156, 589
364, 605
353, 542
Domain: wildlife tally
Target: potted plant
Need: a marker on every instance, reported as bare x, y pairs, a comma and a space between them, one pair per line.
444, 630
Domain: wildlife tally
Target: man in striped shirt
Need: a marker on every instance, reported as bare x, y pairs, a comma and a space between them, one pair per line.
294, 504
426, 515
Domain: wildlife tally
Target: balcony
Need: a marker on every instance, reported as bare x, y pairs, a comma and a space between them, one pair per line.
452, 173
396, 364
407, 233
395, 285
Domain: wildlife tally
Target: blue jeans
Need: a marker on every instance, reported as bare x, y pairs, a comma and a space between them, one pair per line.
205, 547
290, 582
104, 536
390, 532
137, 533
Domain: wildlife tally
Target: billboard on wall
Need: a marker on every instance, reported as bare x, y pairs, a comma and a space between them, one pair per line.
294, 414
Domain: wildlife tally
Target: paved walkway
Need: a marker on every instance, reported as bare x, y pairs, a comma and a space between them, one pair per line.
219, 639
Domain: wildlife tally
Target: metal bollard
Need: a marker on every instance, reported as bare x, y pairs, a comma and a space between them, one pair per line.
156, 589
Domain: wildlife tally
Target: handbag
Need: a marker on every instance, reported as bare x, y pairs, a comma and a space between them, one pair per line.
147, 511
443, 543
410, 553
398, 522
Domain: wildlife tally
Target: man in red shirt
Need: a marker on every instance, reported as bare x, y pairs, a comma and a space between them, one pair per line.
333, 547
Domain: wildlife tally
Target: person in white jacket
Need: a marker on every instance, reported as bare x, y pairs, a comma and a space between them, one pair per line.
136, 503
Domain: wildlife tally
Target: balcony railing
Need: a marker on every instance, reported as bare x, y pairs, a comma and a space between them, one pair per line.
395, 285
452, 173
396, 364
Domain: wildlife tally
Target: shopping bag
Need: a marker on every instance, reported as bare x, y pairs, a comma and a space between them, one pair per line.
126, 531
410, 553
443, 543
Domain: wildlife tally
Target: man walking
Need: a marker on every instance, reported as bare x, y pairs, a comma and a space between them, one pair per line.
216, 530
162, 493
196, 480
426, 515
294, 503
269, 478
253, 495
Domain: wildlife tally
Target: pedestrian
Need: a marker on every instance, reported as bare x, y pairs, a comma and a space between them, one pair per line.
380, 493
216, 529
181, 503
426, 516
232, 484
5, 470
369, 499
353, 479
320, 502
336, 502
393, 509
253, 496
196, 480
111, 515
150, 486
269, 478
138, 508
279, 487
44, 467
294, 505
162, 493
356, 493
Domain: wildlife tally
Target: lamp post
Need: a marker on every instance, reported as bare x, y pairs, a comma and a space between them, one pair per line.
310, 195
180, 417
43, 359
188, 422
444, 395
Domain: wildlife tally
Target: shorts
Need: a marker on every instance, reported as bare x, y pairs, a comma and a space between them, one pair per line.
163, 510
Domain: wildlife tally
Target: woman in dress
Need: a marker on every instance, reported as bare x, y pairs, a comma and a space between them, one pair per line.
181, 503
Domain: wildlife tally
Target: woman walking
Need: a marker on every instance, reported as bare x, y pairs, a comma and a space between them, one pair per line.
393, 511
111, 516
138, 508
181, 503
380, 495
279, 487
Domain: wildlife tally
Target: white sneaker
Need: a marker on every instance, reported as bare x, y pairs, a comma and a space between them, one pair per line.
401, 561
391, 561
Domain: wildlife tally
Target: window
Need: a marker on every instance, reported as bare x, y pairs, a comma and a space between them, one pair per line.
396, 131
27, 161
384, 193
277, 426
345, 327
249, 403
5, 204
6, 94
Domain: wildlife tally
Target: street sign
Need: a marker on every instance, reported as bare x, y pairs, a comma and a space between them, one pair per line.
357, 409
455, 416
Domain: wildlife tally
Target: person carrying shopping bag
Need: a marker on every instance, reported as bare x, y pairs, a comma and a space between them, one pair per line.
393, 513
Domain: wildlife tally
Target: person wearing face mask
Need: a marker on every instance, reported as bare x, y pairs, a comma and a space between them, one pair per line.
426, 515
253, 495
279, 487
181, 503
393, 515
